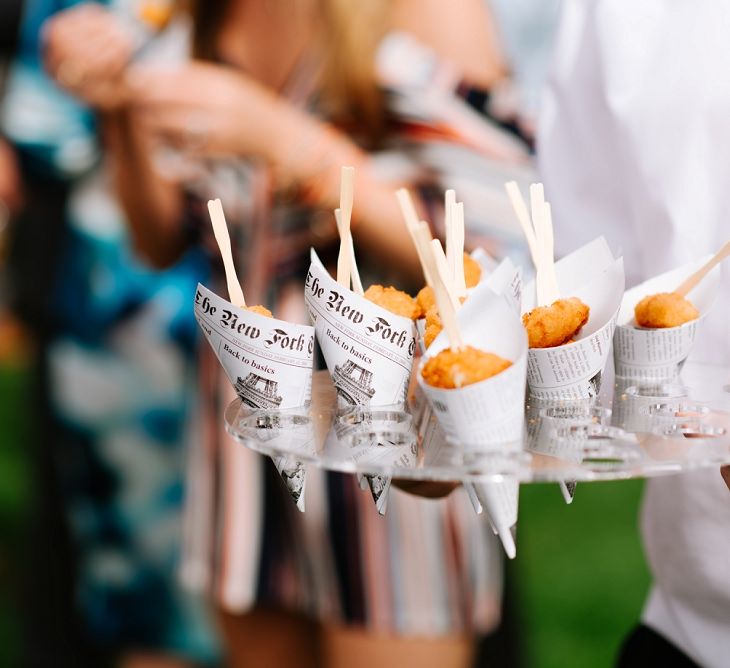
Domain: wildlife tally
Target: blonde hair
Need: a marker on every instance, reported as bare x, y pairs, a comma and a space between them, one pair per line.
348, 36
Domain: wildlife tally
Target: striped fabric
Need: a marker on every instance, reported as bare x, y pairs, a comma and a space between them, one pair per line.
426, 567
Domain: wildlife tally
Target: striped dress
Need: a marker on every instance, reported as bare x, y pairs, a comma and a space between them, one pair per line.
427, 567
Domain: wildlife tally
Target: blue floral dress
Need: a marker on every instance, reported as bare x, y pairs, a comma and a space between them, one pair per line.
121, 381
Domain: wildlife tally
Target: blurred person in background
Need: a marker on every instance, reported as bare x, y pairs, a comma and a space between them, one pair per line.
11, 187
115, 349
633, 144
278, 96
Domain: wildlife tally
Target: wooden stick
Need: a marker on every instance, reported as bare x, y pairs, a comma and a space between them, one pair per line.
692, 282
413, 225
443, 302
422, 233
407, 209
347, 192
220, 230
449, 220
545, 281
355, 273
552, 290
347, 184
518, 204
444, 273
538, 220
459, 278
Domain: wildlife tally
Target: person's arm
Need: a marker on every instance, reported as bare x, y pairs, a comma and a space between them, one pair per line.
11, 186
87, 51
219, 112
232, 115
153, 206
460, 31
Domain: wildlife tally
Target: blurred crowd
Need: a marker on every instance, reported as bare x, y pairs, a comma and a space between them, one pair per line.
169, 545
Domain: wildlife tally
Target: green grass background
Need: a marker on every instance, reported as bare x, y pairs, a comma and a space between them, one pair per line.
14, 497
580, 577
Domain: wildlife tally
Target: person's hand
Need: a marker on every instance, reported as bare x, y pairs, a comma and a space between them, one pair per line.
725, 472
205, 109
11, 187
86, 50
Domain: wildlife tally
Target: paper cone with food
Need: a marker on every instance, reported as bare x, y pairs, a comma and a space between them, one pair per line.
367, 337
473, 371
570, 339
477, 393
570, 309
657, 325
368, 349
268, 361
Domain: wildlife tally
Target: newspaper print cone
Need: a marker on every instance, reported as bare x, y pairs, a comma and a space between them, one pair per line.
487, 416
368, 350
503, 278
491, 412
660, 354
500, 501
268, 361
574, 370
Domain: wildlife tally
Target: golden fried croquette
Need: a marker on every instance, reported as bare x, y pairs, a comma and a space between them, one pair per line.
433, 326
433, 317
261, 310
426, 300
430, 334
666, 309
554, 325
472, 271
457, 368
395, 301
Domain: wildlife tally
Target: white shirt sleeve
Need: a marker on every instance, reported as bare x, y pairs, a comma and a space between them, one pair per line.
633, 143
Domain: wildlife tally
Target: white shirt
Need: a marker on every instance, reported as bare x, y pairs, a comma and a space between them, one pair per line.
634, 144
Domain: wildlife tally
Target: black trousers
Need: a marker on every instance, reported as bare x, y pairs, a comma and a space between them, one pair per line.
645, 648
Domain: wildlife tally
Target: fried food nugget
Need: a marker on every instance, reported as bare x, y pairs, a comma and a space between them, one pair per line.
472, 271
472, 275
554, 325
433, 317
430, 334
395, 301
426, 300
666, 309
433, 326
261, 310
451, 369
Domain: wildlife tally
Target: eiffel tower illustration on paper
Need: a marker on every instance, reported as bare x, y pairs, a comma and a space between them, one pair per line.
353, 383
258, 392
